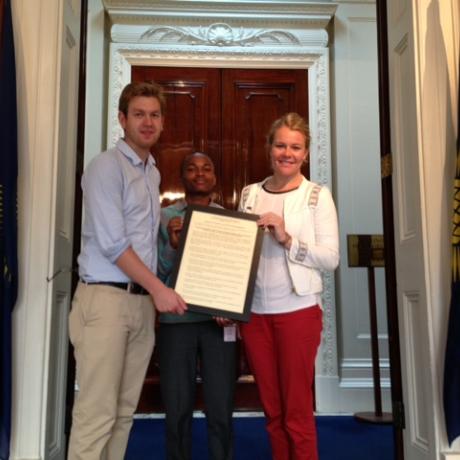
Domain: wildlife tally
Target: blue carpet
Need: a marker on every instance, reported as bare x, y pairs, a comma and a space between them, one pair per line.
340, 438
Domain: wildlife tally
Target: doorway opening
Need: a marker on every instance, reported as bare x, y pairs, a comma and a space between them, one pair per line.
126, 55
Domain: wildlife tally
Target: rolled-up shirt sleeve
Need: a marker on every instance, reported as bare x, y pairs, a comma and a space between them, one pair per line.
102, 186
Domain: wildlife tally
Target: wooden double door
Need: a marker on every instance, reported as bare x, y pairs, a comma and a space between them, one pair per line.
226, 114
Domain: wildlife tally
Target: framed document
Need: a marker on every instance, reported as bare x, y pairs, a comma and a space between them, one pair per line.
217, 261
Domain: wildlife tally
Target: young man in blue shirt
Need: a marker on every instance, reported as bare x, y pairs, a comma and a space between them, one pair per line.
111, 323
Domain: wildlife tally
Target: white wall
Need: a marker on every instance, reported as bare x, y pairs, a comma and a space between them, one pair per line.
96, 81
356, 152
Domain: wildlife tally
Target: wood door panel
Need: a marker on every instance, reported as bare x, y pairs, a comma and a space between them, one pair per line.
225, 113
251, 101
189, 124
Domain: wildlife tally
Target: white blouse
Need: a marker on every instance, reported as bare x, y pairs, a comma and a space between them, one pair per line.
274, 291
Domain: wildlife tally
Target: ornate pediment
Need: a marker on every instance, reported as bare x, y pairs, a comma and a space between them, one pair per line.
220, 23
219, 34
317, 13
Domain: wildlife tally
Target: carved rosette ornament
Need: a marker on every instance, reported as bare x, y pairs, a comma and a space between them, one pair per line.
218, 34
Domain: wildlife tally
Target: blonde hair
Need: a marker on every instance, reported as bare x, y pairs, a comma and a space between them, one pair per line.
291, 120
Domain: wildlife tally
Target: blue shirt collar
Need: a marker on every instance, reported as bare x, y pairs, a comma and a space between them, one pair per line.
129, 153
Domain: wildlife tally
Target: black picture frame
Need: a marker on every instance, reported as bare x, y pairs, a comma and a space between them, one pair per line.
201, 272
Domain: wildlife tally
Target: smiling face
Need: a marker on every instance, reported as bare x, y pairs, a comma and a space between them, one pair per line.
198, 175
142, 124
288, 151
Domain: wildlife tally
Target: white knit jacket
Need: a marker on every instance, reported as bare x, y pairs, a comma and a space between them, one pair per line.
310, 218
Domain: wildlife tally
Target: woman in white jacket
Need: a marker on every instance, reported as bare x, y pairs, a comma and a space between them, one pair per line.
284, 332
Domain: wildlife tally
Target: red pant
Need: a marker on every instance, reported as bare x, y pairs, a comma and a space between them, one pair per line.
281, 351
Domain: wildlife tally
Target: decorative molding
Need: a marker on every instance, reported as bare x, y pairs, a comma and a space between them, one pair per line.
414, 352
355, 363
58, 375
124, 56
334, 395
354, 383
220, 23
304, 12
367, 336
257, 38
362, 19
320, 121
328, 349
218, 34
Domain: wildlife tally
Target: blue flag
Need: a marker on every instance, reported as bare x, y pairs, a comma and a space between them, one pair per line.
451, 394
8, 218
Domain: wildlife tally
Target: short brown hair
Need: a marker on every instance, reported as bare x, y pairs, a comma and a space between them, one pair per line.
141, 88
293, 121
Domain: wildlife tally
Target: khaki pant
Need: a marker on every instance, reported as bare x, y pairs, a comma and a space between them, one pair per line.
113, 335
